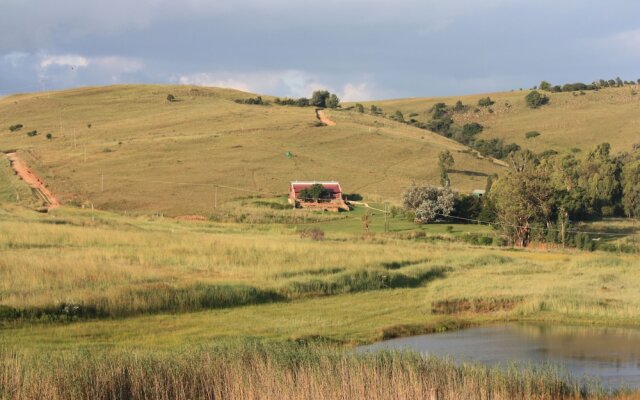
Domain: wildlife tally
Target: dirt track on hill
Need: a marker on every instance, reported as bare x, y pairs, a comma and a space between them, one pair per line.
27, 175
324, 119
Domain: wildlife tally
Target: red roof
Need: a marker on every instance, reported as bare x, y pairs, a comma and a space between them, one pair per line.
333, 187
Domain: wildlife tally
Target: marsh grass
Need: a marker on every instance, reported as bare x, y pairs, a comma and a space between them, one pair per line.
285, 371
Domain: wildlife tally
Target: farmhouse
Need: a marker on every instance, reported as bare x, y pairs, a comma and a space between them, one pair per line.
330, 200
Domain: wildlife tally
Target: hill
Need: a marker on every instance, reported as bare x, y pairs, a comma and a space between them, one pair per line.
570, 120
128, 148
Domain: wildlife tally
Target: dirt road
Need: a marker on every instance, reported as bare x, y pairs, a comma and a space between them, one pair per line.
324, 119
27, 175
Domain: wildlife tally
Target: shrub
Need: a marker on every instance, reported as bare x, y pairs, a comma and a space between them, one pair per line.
398, 116
313, 234
535, 99
171, 98
486, 102
257, 101
49, 136
15, 128
531, 134
359, 108
32, 133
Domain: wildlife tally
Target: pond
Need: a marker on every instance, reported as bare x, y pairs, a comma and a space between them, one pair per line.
611, 355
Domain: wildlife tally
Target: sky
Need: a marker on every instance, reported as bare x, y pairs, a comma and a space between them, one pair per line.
359, 49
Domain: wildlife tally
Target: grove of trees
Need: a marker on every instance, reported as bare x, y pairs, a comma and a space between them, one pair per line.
540, 196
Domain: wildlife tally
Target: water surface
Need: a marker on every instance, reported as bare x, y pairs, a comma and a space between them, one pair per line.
611, 355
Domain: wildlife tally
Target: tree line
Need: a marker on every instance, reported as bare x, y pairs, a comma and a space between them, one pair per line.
579, 86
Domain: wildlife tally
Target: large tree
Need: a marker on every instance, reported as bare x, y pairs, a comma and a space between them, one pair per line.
523, 197
631, 184
428, 202
445, 162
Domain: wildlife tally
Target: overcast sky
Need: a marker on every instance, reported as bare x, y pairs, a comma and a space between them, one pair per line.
359, 49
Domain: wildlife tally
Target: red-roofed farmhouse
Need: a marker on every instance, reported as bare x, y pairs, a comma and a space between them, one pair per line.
333, 201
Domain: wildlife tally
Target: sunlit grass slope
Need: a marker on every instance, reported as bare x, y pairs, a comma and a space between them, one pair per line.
570, 120
145, 146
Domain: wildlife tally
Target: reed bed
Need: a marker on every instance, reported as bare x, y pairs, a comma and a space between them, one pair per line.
282, 371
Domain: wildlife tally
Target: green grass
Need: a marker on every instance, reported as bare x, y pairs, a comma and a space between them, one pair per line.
149, 282
567, 122
160, 157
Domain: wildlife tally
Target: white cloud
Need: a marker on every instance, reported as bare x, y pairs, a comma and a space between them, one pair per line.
292, 83
68, 60
357, 91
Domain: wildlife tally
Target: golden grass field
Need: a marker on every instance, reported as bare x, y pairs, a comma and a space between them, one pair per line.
568, 121
152, 152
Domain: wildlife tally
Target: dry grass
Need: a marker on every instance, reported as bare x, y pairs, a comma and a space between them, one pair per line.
140, 142
569, 121
285, 371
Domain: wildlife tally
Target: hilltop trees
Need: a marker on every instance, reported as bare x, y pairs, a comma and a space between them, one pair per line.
428, 202
322, 98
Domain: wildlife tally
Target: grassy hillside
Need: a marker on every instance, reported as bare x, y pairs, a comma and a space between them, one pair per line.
569, 121
150, 152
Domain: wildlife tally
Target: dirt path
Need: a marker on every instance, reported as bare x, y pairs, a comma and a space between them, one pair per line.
323, 118
27, 175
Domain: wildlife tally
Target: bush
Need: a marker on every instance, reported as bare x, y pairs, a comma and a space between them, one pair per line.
486, 102
535, 99
15, 128
583, 241
333, 101
32, 133
314, 192
532, 134
49, 136
359, 108
171, 98
313, 234
257, 101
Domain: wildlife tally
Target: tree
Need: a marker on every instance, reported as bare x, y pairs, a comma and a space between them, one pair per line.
445, 162
535, 99
523, 197
486, 102
313, 192
619, 82
333, 101
375, 110
428, 202
319, 98
599, 180
544, 85
359, 108
631, 186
